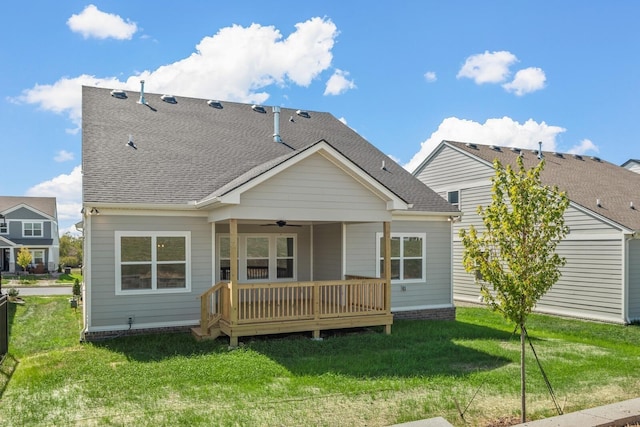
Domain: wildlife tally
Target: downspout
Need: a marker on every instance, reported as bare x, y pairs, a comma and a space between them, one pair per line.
625, 279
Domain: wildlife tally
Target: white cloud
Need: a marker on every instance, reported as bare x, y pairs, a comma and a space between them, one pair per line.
503, 131
338, 83
235, 64
430, 76
63, 156
343, 120
67, 189
526, 81
92, 22
584, 146
488, 67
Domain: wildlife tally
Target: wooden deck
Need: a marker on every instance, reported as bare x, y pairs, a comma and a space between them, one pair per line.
247, 309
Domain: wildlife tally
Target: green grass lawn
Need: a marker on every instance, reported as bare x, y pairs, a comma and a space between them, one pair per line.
351, 378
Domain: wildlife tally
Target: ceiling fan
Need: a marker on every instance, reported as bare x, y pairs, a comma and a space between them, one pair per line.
281, 223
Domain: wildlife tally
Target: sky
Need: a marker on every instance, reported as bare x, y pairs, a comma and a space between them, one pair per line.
403, 74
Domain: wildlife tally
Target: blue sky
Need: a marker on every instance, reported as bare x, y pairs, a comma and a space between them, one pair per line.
403, 74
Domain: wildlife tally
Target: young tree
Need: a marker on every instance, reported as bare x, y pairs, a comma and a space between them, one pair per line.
24, 258
514, 257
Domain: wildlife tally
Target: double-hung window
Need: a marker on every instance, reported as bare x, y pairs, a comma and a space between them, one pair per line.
260, 257
408, 256
37, 256
453, 197
32, 229
152, 262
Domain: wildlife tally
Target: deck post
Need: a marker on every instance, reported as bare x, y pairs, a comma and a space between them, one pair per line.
233, 255
387, 271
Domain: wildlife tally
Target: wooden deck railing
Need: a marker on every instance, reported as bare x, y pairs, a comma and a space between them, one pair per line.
303, 301
214, 305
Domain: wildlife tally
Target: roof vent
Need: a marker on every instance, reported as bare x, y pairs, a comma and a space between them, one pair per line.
258, 109
555, 153
142, 100
632, 206
494, 147
276, 124
577, 156
214, 104
515, 149
595, 159
303, 113
598, 203
470, 145
169, 99
118, 93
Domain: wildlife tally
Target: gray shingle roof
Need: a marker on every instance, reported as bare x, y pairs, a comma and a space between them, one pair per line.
189, 150
585, 179
46, 205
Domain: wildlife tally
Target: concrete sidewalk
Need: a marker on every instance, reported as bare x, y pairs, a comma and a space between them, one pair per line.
39, 290
615, 415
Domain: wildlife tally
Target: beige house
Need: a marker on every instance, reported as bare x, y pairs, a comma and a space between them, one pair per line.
601, 280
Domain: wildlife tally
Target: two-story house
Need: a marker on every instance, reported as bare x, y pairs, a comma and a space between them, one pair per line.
30, 222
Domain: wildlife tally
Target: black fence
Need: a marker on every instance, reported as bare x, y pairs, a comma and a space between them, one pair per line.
4, 326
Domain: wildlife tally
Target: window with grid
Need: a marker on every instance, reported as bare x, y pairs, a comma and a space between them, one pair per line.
152, 262
408, 261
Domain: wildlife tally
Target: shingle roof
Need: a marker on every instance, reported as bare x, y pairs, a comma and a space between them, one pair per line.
46, 205
585, 179
190, 150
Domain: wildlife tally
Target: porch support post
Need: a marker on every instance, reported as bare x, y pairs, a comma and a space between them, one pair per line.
387, 271
233, 291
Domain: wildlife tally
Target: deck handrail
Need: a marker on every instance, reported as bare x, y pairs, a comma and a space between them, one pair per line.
292, 301
212, 305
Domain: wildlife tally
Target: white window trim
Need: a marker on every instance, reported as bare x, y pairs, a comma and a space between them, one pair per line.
33, 256
457, 204
273, 259
24, 223
423, 236
154, 235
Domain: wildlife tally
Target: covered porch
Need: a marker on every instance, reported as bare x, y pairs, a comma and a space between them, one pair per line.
259, 307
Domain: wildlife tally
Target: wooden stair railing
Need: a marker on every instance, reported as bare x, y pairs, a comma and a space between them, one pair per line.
211, 310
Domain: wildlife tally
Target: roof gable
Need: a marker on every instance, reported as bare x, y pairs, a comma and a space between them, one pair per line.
232, 192
586, 179
41, 206
190, 151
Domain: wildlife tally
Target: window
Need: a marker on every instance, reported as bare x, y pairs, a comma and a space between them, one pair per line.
37, 256
261, 257
152, 262
453, 197
408, 262
32, 229
4, 227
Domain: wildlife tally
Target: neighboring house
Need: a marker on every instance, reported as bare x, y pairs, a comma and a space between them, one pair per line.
601, 279
30, 222
633, 165
247, 220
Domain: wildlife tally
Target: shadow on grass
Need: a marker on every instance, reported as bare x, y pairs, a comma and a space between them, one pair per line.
415, 348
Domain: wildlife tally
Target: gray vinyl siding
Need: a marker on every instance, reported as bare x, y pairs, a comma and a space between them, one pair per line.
327, 251
314, 189
634, 280
109, 310
436, 290
449, 166
591, 282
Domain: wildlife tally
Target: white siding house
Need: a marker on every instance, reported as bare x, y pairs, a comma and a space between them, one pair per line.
601, 280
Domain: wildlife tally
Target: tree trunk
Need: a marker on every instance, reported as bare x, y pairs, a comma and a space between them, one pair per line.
523, 394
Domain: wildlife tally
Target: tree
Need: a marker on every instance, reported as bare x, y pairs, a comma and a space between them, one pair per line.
24, 258
514, 258
70, 250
